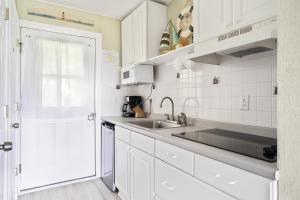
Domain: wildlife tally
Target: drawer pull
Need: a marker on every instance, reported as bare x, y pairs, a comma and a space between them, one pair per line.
171, 155
171, 188
229, 182
168, 186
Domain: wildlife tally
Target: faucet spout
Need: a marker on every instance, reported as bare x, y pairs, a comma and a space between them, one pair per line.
169, 98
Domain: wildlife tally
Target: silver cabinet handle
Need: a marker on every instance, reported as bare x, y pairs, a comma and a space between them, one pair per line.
15, 125
91, 117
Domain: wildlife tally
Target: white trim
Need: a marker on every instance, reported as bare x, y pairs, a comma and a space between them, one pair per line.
61, 29
98, 69
57, 185
81, 10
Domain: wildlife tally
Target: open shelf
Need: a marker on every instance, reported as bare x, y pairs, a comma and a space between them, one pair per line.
170, 56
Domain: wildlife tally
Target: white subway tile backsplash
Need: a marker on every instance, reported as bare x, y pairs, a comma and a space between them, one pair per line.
264, 89
264, 118
264, 104
251, 117
250, 90
195, 93
237, 77
237, 90
264, 74
249, 76
274, 119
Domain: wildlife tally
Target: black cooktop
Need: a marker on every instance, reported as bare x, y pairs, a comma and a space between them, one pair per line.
263, 148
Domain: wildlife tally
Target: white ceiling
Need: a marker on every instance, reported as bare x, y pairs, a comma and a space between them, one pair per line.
111, 8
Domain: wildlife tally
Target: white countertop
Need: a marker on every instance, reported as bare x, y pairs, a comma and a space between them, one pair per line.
253, 165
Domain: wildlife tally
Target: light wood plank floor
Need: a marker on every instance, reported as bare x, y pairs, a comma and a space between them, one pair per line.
90, 190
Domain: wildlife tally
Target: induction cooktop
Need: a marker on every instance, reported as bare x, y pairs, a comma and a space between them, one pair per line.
259, 147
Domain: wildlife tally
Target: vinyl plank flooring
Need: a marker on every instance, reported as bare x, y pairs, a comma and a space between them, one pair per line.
89, 190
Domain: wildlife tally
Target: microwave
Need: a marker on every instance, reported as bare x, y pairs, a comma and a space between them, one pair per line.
137, 74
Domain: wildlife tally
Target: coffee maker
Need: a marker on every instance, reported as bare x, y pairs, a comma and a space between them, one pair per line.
130, 103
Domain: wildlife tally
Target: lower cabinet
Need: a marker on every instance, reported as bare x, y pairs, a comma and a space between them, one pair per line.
122, 168
176, 174
173, 184
142, 175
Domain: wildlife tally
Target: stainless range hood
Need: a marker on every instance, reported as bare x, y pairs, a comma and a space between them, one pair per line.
250, 49
246, 41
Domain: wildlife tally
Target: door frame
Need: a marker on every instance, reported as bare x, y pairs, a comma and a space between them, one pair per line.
98, 61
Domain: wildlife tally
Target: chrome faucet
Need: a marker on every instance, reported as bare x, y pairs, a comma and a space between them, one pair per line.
161, 103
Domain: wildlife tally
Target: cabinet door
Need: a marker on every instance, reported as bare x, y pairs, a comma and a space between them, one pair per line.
122, 168
171, 183
247, 12
213, 17
140, 33
127, 41
142, 175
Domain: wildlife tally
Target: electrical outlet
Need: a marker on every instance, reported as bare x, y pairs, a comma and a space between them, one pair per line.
244, 102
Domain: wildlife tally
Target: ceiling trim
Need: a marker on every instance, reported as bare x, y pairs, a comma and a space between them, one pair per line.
79, 9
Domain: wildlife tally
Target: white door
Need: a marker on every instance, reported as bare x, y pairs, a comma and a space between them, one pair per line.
57, 108
142, 175
213, 17
247, 12
127, 41
9, 32
140, 33
122, 168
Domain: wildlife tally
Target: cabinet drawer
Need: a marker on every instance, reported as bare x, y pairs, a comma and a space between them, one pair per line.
171, 183
177, 157
234, 181
142, 142
122, 134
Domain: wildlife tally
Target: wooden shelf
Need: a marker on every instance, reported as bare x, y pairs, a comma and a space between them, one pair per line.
170, 56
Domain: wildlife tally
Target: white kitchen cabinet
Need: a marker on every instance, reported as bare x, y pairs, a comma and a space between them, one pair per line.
212, 18
122, 168
141, 32
247, 12
234, 181
127, 40
142, 175
139, 18
173, 184
215, 17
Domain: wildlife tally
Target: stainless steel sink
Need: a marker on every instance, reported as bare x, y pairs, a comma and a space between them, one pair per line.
155, 124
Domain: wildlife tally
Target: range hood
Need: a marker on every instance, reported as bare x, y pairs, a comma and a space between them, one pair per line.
238, 43
250, 49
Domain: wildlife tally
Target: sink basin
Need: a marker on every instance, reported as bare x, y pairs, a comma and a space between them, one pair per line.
155, 124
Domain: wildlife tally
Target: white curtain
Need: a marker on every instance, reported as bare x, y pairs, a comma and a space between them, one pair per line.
55, 82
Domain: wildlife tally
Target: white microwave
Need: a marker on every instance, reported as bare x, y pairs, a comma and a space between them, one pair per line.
137, 74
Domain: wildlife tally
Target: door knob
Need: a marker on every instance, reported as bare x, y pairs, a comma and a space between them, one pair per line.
6, 146
91, 116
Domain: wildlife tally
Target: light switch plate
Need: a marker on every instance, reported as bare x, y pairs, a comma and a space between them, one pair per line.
244, 102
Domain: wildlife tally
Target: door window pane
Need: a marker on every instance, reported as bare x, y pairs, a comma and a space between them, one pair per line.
72, 93
73, 59
49, 92
49, 56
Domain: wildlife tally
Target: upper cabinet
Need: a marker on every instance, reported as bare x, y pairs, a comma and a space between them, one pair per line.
127, 37
142, 31
212, 18
215, 17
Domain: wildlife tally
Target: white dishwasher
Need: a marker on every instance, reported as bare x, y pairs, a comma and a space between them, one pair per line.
108, 155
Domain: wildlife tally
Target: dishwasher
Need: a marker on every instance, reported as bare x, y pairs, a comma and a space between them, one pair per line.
108, 155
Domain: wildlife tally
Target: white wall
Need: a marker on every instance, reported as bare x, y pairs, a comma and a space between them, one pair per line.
289, 99
253, 75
